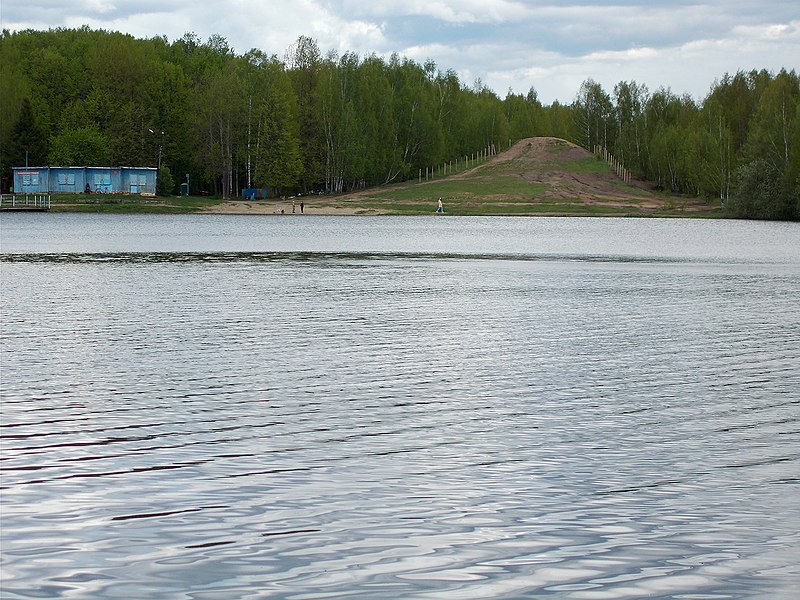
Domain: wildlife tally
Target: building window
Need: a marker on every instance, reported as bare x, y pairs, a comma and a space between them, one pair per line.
102, 179
66, 179
30, 179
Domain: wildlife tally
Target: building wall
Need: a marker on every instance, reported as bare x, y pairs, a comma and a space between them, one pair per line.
138, 180
64, 180
35, 180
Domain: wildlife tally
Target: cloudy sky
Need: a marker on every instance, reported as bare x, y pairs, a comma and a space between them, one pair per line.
550, 45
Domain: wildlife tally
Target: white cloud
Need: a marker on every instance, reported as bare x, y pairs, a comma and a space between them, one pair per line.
448, 11
770, 32
623, 56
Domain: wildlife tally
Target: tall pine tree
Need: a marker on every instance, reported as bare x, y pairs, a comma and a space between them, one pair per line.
27, 144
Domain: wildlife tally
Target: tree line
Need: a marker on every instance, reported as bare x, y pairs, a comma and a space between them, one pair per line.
310, 122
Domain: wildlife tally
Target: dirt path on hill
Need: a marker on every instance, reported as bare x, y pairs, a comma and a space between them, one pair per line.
547, 160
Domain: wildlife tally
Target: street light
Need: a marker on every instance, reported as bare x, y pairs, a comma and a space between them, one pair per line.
160, 142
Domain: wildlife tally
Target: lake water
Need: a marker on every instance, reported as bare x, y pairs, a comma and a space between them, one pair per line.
214, 407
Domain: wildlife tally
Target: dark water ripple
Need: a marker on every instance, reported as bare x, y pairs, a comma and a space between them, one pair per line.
400, 426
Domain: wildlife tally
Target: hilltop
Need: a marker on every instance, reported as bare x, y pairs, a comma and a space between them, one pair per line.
536, 176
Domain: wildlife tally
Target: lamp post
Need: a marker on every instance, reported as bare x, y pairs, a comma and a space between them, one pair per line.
158, 157
160, 143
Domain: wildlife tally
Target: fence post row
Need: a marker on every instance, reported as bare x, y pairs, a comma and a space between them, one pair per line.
617, 166
39, 201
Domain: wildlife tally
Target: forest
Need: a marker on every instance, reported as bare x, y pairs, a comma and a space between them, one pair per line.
314, 122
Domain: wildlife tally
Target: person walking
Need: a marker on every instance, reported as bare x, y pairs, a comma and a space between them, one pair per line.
302, 207
440, 208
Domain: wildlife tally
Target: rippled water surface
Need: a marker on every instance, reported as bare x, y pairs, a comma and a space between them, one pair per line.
222, 407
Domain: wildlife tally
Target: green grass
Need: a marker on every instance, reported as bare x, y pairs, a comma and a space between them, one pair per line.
538, 208
590, 164
712, 213
471, 187
483, 206
557, 146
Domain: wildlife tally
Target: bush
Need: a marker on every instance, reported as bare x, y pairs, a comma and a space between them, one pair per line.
165, 184
761, 192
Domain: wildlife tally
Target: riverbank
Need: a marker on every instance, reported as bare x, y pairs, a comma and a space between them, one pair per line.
537, 176
337, 206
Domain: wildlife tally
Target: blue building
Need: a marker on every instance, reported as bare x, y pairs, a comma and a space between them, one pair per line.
65, 180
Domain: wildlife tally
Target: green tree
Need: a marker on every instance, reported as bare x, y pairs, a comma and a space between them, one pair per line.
766, 181
165, 184
86, 146
219, 116
630, 102
760, 192
594, 112
28, 140
415, 136
450, 112
304, 62
524, 115
561, 122
720, 155
14, 88
344, 142
276, 149
374, 107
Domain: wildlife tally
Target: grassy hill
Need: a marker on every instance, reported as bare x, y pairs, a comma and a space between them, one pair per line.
537, 176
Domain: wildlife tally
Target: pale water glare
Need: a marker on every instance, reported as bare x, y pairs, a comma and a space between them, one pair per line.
199, 407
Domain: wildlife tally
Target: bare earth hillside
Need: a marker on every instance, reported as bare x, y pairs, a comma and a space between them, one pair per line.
554, 162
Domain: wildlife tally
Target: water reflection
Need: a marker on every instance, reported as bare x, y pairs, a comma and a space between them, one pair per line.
403, 424
322, 257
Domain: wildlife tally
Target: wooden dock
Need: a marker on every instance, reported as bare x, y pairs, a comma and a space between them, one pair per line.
24, 202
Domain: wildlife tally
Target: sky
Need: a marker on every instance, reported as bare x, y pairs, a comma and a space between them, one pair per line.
549, 45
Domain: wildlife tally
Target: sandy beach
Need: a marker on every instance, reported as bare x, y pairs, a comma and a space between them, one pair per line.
274, 207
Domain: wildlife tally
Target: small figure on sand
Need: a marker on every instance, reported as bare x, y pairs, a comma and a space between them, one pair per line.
292, 206
302, 207
440, 208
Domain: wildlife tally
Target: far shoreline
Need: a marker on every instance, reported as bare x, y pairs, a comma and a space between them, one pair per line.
350, 208
535, 177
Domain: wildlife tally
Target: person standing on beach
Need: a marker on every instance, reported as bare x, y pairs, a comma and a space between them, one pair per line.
292, 206
440, 208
